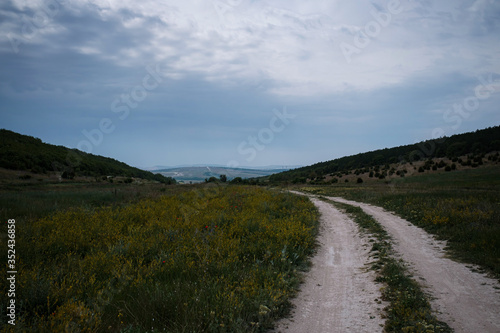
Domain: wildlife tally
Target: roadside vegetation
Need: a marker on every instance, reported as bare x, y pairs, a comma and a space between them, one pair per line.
409, 309
462, 208
213, 259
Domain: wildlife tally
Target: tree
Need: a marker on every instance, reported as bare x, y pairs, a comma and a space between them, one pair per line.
223, 178
211, 180
236, 180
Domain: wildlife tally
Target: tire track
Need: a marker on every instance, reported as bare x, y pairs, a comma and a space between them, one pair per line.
465, 300
339, 291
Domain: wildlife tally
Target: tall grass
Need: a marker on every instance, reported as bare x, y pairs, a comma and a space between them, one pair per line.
226, 259
31, 202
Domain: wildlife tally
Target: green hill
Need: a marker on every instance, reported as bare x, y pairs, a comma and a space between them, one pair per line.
475, 143
26, 153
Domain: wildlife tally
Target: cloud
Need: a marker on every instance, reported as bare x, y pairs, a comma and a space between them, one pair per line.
225, 65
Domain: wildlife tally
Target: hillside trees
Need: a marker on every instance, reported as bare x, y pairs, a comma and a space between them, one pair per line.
476, 143
23, 152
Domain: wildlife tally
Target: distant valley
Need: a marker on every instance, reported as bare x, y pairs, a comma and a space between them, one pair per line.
198, 174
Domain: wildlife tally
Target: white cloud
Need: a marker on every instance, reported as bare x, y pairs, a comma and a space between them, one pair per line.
284, 52
294, 44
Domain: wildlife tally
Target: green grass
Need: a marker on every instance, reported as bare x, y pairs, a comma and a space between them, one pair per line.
208, 258
461, 207
409, 309
28, 202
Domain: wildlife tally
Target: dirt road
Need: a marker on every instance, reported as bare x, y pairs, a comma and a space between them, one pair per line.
465, 300
339, 293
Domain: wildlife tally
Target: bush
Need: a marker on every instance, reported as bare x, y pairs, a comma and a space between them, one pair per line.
299, 180
359, 181
236, 180
211, 180
68, 174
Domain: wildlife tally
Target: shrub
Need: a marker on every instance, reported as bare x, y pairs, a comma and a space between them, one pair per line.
236, 180
211, 180
68, 174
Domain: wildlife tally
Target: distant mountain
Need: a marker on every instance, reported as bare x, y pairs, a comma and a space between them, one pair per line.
198, 174
23, 152
266, 167
475, 143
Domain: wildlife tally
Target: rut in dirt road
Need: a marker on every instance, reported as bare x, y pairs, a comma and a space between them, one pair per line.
339, 291
465, 300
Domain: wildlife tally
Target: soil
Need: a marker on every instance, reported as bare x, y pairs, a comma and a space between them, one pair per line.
339, 293
466, 300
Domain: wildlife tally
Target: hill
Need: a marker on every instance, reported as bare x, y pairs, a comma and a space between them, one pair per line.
200, 174
30, 154
429, 154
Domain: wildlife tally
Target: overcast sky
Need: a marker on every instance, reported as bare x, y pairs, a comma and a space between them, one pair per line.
247, 82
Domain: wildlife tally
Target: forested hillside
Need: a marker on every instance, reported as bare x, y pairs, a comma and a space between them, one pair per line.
22, 152
475, 143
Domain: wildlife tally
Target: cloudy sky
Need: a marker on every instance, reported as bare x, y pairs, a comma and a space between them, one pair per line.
247, 82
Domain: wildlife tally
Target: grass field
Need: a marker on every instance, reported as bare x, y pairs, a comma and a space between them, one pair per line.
462, 207
28, 202
183, 259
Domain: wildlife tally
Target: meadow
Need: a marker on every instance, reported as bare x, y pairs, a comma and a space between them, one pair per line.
207, 258
461, 207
